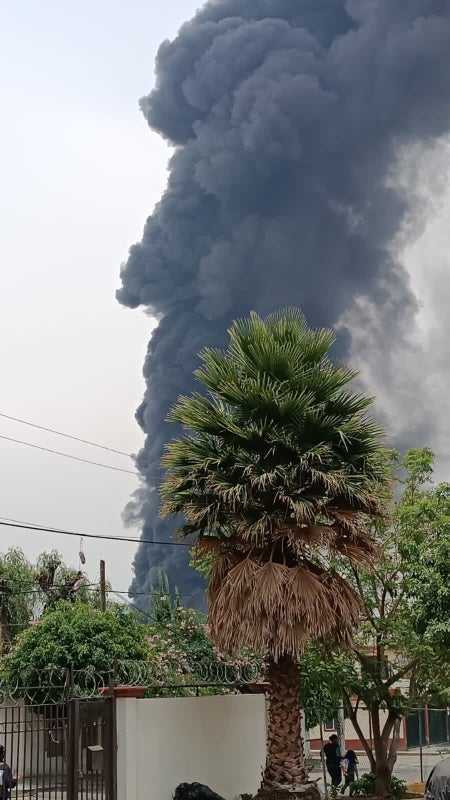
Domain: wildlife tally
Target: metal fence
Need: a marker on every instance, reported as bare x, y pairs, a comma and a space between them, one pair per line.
59, 739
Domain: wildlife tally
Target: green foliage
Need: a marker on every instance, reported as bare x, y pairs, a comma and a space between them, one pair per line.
278, 412
423, 522
202, 562
56, 580
322, 675
401, 646
419, 464
365, 787
72, 635
181, 648
17, 598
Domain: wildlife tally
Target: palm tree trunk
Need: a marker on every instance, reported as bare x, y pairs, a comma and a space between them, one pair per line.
285, 765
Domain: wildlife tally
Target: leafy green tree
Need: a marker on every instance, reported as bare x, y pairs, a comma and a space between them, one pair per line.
72, 636
323, 673
423, 521
57, 581
17, 595
401, 646
276, 472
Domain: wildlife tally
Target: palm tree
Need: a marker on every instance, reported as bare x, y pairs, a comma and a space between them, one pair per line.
275, 475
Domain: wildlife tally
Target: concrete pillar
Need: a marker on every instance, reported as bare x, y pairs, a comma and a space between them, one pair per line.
127, 749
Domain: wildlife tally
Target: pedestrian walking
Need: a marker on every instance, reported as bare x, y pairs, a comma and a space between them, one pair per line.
332, 754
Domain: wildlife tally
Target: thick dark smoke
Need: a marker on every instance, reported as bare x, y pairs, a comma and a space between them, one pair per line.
287, 117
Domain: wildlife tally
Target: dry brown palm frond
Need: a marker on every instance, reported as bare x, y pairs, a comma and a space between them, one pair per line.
291, 639
304, 512
228, 621
241, 578
285, 608
219, 570
358, 548
306, 534
232, 593
348, 520
270, 589
309, 599
344, 603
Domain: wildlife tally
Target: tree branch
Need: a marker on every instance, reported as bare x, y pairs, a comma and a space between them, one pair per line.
352, 713
397, 602
392, 757
401, 672
387, 727
367, 609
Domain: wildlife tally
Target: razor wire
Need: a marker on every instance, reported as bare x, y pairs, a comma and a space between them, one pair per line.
214, 673
58, 684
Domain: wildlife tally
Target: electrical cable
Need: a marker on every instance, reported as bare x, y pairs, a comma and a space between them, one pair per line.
66, 435
135, 608
67, 455
14, 593
28, 526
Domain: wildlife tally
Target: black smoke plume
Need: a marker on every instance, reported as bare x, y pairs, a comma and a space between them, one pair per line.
287, 117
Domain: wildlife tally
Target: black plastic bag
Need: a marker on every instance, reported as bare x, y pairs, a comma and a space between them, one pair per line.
195, 791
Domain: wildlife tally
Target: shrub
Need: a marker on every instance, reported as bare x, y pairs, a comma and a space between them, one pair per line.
365, 786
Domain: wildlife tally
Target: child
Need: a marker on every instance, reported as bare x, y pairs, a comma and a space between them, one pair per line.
349, 769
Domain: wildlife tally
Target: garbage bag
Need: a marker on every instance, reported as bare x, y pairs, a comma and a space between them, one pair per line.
195, 791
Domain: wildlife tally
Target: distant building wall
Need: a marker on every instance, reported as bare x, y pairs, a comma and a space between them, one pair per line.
351, 739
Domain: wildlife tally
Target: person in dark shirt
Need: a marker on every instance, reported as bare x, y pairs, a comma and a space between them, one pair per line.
332, 755
7, 782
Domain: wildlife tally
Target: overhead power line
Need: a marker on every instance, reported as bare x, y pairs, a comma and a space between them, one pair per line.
66, 435
18, 592
150, 592
28, 526
67, 455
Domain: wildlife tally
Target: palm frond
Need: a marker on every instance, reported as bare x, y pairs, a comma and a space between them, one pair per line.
280, 465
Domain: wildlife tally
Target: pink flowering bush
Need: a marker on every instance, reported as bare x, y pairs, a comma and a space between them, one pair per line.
183, 659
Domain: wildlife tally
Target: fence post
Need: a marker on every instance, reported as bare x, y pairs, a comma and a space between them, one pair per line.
73, 749
322, 757
111, 748
419, 712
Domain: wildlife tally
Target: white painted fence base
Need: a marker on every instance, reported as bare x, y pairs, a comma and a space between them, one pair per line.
220, 741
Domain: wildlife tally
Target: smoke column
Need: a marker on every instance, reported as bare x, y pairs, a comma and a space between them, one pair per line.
287, 117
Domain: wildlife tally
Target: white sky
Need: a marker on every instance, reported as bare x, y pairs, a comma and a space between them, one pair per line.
80, 172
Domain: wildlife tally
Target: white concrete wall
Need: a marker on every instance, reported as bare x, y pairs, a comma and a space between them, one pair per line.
220, 741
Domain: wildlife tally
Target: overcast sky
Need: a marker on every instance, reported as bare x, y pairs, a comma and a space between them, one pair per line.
80, 173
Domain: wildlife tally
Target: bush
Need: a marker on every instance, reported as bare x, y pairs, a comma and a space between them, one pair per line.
72, 635
365, 786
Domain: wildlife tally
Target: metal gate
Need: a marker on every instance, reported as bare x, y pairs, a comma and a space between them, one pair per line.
63, 751
91, 757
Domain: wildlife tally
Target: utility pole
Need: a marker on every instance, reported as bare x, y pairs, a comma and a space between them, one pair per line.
102, 586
